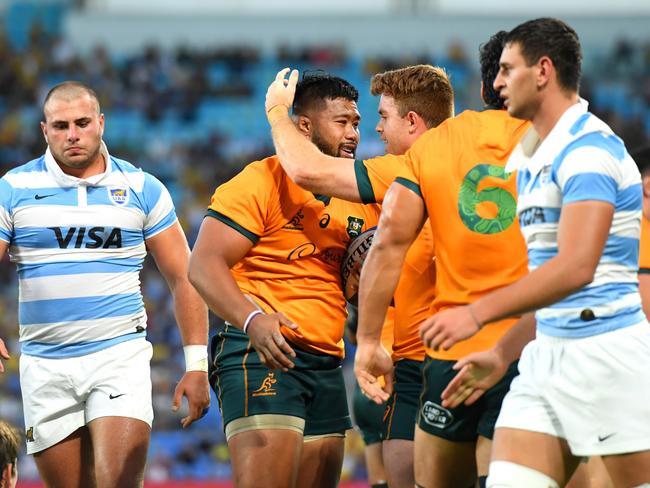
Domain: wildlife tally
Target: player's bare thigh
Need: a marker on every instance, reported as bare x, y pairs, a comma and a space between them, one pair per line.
271, 455
629, 469
398, 456
120, 447
442, 463
321, 461
69, 463
545, 453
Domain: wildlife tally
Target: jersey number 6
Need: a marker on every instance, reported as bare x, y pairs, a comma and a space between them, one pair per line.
490, 210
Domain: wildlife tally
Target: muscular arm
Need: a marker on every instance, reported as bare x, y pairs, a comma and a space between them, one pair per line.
172, 255
303, 162
170, 251
582, 233
401, 218
4, 352
218, 248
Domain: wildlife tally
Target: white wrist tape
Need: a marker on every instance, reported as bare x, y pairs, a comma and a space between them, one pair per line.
250, 317
196, 358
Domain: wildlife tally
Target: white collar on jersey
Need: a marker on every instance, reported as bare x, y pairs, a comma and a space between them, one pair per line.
67, 180
535, 154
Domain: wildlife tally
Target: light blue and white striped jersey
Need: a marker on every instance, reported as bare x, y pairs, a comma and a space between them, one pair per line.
582, 159
79, 245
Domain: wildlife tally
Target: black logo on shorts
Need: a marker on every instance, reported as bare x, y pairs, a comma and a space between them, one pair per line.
113, 397
40, 197
437, 416
605, 437
29, 434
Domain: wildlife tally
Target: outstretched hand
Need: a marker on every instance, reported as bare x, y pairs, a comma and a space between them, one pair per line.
477, 372
272, 349
282, 91
371, 363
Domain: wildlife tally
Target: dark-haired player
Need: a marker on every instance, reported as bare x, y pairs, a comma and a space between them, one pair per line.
583, 383
267, 260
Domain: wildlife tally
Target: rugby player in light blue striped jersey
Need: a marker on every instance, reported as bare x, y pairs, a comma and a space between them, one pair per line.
583, 388
78, 223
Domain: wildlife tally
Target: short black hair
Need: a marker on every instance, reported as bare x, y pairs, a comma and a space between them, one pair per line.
489, 56
641, 157
318, 86
557, 40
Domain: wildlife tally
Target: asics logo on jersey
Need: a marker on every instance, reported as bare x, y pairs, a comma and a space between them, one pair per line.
40, 197
266, 389
92, 238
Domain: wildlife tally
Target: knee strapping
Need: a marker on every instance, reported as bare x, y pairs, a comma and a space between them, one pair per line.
504, 474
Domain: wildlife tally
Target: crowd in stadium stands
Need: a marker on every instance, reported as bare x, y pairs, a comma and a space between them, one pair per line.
193, 118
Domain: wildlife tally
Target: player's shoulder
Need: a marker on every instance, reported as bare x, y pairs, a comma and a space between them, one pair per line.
261, 175
32, 174
124, 172
35, 165
591, 133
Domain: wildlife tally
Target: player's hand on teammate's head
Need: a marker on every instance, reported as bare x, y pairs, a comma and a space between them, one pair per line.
272, 349
446, 328
477, 372
195, 387
282, 90
4, 354
372, 363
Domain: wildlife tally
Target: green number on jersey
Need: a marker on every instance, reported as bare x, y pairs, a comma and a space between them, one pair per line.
469, 198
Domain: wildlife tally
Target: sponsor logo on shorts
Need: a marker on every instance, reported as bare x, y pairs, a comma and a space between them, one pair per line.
355, 224
29, 434
436, 416
267, 386
119, 196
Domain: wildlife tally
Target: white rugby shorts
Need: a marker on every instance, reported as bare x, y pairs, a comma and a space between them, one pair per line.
594, 391
62, 395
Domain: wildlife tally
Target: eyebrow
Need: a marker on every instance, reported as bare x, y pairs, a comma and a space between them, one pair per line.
76, 121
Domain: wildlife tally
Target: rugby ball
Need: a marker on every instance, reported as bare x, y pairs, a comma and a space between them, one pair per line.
352, 262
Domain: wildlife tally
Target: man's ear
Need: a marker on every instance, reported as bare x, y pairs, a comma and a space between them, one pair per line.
303, 123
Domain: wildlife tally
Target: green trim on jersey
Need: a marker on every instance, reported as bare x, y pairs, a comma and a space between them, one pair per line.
363, 182
231, 223
644, 270
414, 187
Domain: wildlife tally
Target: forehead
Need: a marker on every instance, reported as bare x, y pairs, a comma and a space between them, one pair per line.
70, 108
387, 104
340, 107
511, 53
